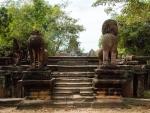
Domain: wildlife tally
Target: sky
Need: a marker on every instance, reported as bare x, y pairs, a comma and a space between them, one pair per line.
90, 17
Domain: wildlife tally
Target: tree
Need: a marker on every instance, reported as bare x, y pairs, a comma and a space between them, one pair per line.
134, 29
107, 2
134, 38
134, 22
135, 10
5, 20
56, 26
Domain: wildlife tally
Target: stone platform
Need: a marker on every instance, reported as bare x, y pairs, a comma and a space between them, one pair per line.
74, 82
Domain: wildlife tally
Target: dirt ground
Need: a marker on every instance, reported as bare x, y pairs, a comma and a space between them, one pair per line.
76, 110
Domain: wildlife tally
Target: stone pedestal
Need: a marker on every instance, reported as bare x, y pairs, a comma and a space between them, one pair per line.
36, 84
115, 80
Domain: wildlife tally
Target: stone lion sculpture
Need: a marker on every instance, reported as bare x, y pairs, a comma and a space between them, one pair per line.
110, 26
37, 52
109, 45
109, 42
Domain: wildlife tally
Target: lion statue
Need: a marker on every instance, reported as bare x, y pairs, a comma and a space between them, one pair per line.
100, 56
36, 47
110, 26
108, 53
109, 46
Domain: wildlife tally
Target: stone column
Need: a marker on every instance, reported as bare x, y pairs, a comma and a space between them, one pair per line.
140, 85
127, 88
148, 84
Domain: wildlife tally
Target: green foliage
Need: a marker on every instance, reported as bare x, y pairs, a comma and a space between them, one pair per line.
4, 22
57, 27
107, 2
134, 25
5, 42
5, 47
134, 38
134, 30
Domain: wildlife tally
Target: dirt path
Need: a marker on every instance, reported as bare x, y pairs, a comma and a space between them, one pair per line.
76, 110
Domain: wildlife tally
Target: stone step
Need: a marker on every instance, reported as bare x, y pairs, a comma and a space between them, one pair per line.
73, 74
62, 68
69, 93
66, 68
75, 62
109, 81
73, 88
120, 67
73, 98
138, 58
77, 68
62, 103
10, 101
53, 59
111, 71
78, 62
73, 80
132, 62
64, 84
72, 58
73, 104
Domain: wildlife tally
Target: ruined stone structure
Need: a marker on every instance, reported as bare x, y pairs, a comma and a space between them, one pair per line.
119, 80
75, 80
36, 84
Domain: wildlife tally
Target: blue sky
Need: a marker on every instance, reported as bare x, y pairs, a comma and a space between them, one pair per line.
90, 17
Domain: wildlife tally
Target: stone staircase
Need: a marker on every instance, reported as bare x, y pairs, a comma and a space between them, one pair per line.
74, 81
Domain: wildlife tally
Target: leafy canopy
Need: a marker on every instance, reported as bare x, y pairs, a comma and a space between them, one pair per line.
134, 25
19, 18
